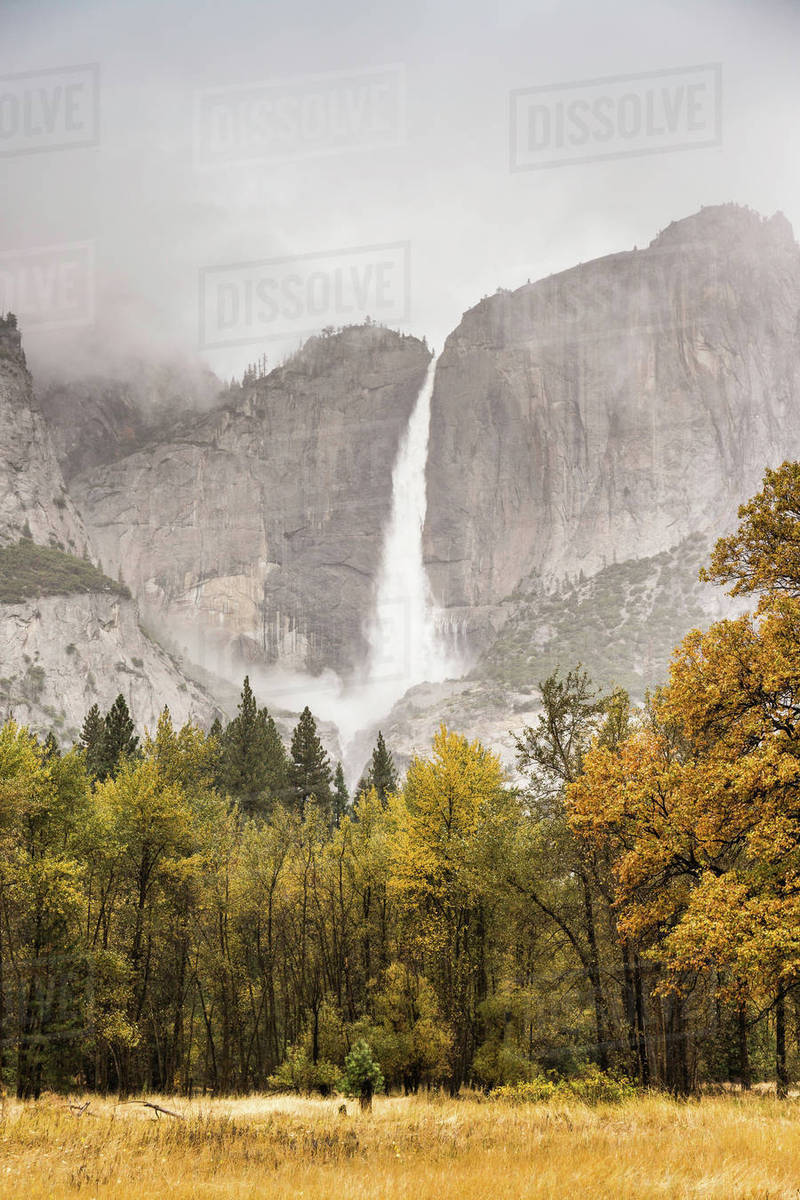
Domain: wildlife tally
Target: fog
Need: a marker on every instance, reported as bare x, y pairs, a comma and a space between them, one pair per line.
157, 209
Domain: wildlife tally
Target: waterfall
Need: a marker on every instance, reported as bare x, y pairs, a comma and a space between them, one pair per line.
405, 646
410, 640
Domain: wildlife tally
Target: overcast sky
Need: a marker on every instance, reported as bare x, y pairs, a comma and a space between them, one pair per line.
157, 207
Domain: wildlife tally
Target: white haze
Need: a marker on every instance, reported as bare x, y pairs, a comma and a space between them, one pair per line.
446, 189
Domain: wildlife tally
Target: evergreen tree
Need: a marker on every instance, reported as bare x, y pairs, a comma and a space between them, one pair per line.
254, 767
277, 762
92, 740
310, 768
341, 797
119, 740
216, 736
362, 1075
50, 748
381, 772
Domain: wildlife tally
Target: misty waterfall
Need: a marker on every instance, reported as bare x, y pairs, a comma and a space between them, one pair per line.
405, 647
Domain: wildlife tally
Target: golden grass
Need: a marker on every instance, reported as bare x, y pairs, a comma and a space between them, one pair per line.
726, 1148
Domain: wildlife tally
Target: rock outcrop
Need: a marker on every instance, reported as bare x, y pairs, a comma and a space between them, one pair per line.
591, 434
33, 499
256, 530
608, 412
61, 654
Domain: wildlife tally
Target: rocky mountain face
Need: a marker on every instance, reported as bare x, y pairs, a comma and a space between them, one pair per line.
255, 531
60, 654
33, 499
591, 435
607, 413
63, 650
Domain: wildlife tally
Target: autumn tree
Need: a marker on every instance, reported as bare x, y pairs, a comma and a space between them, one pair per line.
453, 823
701, 800
551, 754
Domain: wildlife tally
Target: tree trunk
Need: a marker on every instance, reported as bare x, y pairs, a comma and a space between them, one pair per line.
644, 1060
677, 1065
594, 974
745, 1077
781, 1069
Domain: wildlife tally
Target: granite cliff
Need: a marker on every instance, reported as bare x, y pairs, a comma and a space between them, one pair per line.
254, 532
609, 412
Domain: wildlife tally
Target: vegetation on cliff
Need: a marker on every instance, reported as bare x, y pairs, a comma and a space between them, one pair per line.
28, 570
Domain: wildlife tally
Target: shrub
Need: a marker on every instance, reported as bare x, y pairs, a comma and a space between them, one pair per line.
499, 1063
592, 1086
297, 1073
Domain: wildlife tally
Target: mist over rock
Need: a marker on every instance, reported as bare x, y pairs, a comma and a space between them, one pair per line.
256, 531
102, 417
611, 411
65, 644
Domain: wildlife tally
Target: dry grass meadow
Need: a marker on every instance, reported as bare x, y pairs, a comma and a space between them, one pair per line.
726, 1148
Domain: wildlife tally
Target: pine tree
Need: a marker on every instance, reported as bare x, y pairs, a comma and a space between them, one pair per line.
92, 740
362, 1075
243, 768
50, 748
381, 772
119, 740
277, 762
341, 796
254, 767
310, 768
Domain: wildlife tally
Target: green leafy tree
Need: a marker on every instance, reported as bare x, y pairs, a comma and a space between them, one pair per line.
362, 1075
